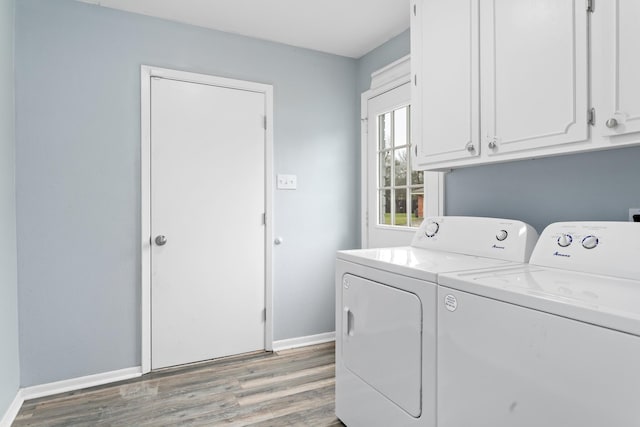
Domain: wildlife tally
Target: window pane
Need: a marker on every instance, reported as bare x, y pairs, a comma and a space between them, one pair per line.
400, 156
384, 130
417, 206
417, 177
400, 127
385, 207
385, 169
401, 206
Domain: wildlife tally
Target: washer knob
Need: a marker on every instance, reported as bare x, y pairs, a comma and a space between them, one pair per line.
502, 235
431, 229
565, 240
590, 242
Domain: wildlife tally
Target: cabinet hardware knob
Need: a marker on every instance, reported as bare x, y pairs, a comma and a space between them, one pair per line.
492, 145
611, 123
471, 148
161, 240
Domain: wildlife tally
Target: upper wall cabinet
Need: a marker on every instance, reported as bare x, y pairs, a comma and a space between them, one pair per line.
445, 94
616, 60
500, 80
534, 70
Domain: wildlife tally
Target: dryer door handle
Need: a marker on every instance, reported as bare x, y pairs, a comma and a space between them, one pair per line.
347, 322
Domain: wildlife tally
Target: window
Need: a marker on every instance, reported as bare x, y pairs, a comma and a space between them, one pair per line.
400, 189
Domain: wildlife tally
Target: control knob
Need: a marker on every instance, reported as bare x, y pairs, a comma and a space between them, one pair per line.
565, 240
431, 229
590, 242
502, 235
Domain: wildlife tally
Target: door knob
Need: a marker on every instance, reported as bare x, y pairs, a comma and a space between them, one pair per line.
161, 240
611, 123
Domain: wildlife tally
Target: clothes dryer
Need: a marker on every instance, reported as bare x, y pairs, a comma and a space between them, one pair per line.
552, 343
386, 315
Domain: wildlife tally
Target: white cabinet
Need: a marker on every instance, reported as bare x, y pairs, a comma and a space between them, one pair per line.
534, 69
500, 80
445, 94
616, 38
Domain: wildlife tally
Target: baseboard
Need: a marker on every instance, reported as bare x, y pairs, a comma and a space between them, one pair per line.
303, 341
12, 411
72, 384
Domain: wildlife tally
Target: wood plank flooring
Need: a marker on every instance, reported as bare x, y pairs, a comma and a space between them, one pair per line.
292, 387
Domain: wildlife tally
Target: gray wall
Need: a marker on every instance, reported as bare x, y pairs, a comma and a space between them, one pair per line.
598, 186
78, 176
9, 362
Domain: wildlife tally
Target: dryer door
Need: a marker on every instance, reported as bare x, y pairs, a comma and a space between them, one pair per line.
382, 339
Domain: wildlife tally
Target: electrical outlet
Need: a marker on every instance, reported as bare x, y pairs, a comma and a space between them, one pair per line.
286, 182
633, 212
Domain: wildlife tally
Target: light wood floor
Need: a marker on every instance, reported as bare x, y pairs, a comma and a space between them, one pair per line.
293, 387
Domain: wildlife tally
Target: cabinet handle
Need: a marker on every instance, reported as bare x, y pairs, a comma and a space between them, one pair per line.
492, 145
471, 148
611, 123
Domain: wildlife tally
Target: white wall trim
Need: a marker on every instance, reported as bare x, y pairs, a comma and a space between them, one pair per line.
304, 341
12, 411
146, 73
64, 386
72, 384
399, 69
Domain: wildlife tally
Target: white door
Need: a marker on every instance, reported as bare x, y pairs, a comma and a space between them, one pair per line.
445, 69
617, 64
395, 195
207, 200
534, 68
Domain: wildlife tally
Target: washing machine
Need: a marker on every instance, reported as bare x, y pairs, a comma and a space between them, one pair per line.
386, 315
554, 343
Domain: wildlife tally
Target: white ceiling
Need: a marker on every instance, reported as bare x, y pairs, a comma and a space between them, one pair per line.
342, 27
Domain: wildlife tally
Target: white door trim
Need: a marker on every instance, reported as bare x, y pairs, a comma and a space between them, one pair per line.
146, 73
383, 80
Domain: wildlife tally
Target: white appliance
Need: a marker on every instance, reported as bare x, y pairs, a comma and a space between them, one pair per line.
386, 315
555, 343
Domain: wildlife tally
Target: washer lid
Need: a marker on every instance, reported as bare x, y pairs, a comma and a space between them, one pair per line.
423, 264
600, 300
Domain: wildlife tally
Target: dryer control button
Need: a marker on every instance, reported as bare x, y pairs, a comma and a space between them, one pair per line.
565, 240
502, 235
590, 242
431, 229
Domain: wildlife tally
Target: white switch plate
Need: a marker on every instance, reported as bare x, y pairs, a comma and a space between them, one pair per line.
632, 212
287, 182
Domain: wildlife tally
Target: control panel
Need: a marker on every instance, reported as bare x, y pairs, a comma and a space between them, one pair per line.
504, 239
608, 248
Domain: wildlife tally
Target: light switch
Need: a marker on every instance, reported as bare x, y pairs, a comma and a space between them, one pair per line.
287, 182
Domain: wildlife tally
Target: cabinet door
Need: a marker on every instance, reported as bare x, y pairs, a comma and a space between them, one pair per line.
534, 70
382, 340
616, 56
445, 91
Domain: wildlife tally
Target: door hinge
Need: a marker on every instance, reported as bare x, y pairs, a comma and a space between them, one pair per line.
590, 6
415, 80
264, 314
415, 10
591, 117
264, 219
265, 123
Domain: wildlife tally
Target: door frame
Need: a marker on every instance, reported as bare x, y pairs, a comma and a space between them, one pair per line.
384, 80
146, 73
